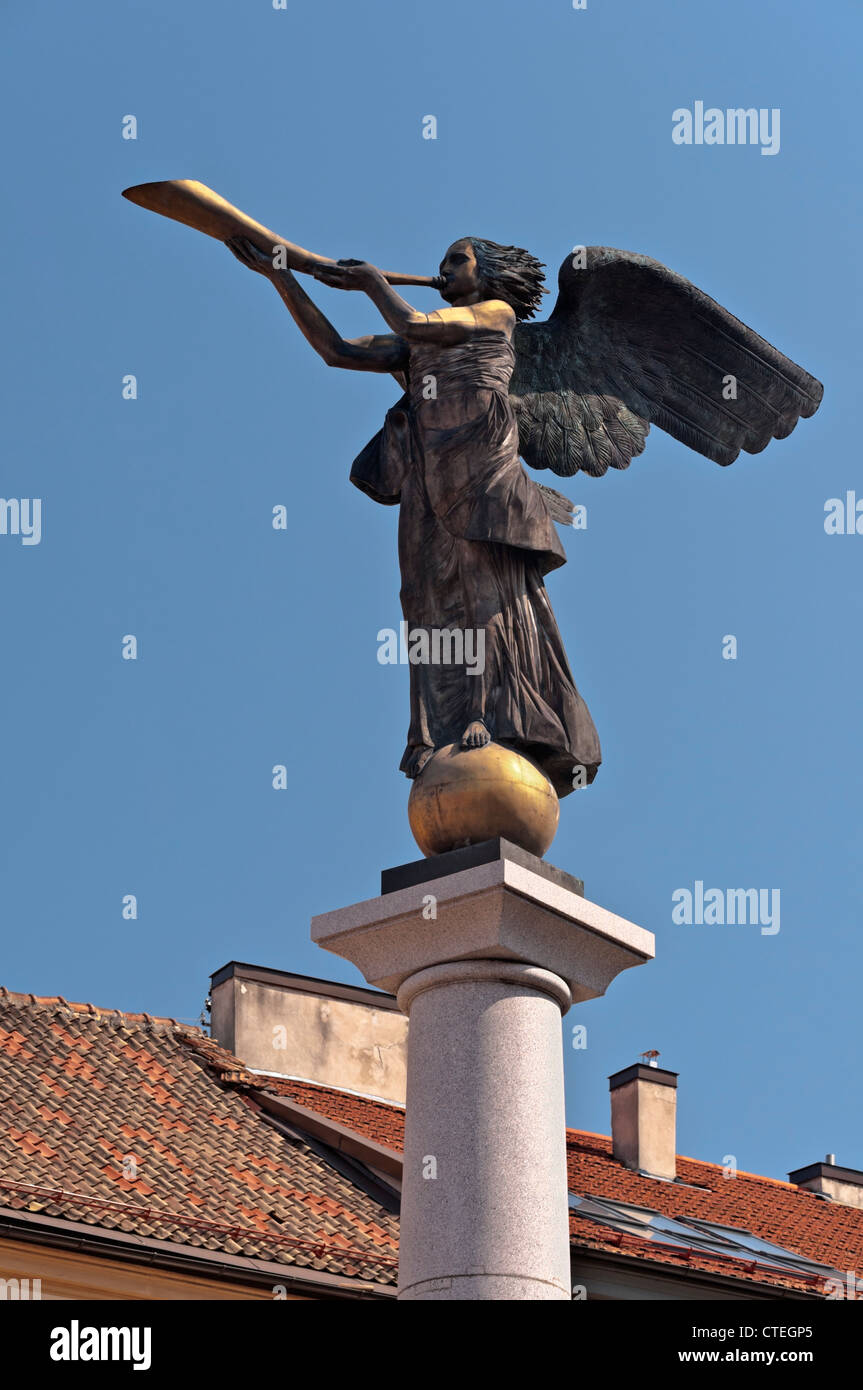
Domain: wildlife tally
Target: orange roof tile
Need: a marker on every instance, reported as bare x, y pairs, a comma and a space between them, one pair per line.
825, 1232
143, 1125
374, 1119
210, 1171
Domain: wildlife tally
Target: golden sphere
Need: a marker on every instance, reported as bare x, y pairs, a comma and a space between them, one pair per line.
466, 795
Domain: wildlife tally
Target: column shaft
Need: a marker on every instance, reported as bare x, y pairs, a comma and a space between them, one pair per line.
484, 1194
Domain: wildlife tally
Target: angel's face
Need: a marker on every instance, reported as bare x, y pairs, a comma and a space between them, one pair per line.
462, 283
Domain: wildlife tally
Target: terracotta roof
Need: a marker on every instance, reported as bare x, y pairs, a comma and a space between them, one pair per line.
82, 1089
824, 1232
144, 1125
374, 1119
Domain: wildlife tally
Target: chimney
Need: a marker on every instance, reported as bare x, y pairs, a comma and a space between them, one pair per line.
843, 1185
644, 1119
343, 1036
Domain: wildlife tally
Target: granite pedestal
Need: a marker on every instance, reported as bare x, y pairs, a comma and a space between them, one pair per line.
485, 953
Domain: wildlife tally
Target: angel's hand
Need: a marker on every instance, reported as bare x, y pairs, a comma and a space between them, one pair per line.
348, 275
249, 255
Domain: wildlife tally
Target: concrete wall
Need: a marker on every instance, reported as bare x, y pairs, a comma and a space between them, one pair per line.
336, 1035
850, 1193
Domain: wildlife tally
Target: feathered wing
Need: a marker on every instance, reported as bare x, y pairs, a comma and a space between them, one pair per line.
630, 344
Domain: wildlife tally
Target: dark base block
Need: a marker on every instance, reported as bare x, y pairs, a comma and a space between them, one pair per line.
439, 865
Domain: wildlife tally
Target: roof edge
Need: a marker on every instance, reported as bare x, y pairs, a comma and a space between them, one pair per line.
303, 984
56, 1230
339, 1137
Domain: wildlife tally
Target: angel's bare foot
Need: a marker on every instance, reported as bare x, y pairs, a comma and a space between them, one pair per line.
415, 759
476, 735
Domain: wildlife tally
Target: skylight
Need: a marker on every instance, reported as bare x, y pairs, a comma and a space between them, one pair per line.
691, 1233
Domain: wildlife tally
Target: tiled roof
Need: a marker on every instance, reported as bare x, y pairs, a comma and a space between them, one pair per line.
825, 1232
143, 1125
82, 1090
373, 1119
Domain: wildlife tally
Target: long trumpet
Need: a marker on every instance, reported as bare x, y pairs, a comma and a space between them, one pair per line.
196, 205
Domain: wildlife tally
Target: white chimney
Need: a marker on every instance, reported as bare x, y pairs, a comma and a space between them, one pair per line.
843, 1185
644, 1119
344, 1036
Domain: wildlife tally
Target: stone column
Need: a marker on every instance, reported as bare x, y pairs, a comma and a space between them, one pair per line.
485, 1157
484, 959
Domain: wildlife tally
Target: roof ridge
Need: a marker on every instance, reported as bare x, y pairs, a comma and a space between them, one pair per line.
742, 1173
57, 1004
698, 1162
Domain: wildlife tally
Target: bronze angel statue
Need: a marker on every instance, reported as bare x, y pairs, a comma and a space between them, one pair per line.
628, 344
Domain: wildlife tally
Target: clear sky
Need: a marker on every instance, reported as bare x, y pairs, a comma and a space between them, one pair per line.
258, 647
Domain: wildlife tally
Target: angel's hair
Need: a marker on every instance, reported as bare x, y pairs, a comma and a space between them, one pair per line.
511, 274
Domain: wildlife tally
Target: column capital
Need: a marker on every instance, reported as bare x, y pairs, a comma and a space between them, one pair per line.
473, 971
501, 910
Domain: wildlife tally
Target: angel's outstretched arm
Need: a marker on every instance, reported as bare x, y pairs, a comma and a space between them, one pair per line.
444, 326
383, 352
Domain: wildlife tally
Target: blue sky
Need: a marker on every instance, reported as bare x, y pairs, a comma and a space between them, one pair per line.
259, 647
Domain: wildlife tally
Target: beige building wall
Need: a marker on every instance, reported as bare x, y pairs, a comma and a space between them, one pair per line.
336, 1035
67, 1274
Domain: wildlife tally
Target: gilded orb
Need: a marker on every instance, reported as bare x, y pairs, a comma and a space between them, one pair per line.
466, 795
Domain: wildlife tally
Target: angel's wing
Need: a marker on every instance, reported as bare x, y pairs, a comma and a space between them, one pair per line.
630, 344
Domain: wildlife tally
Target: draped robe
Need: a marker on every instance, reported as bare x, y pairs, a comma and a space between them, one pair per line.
475, 540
